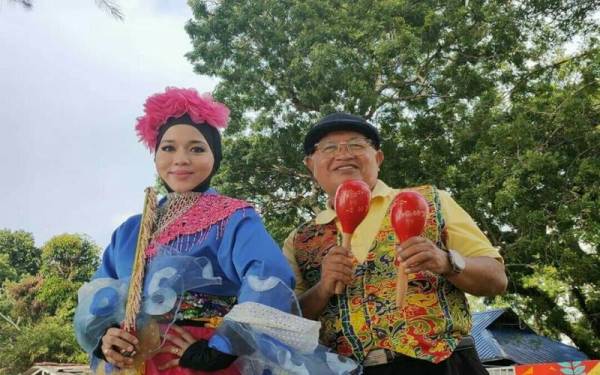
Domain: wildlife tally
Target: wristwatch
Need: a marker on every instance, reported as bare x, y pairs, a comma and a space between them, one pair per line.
457, 262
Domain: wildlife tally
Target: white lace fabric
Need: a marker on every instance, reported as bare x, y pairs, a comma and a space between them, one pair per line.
294, 331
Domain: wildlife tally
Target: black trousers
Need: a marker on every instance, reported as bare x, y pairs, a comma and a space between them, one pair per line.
461, 362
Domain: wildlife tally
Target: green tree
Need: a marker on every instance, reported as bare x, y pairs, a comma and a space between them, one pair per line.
476, 97
7, 271
22, 299
39, 309
58, 296
537, 168
50, 340
70, 256
18, 249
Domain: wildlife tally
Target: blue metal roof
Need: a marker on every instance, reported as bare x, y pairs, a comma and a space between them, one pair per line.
532, 348
487, 347
501, 336
482, 320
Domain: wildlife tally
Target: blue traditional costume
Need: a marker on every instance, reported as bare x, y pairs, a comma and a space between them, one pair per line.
207, 264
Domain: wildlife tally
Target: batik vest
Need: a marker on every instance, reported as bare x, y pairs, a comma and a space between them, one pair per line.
429, 326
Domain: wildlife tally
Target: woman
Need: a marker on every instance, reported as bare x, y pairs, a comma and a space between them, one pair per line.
206, 253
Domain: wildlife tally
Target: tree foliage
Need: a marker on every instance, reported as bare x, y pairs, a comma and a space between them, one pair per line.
36, 310
493, 101
7, 271
19, 253
50, 340
71, 257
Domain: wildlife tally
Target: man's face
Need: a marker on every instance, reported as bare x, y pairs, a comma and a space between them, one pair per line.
348, 162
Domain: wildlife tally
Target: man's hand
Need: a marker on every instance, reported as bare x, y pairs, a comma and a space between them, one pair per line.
337, 266
419, 254
482, 276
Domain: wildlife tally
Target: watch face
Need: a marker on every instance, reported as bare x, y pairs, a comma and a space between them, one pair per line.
457, 261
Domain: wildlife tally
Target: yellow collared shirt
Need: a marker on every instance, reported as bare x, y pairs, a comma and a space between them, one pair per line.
463, 234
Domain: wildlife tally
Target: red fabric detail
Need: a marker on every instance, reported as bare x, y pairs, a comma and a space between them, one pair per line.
208, 210
161, 358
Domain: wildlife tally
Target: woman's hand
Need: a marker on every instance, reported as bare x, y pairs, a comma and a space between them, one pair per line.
177, 345
118, 346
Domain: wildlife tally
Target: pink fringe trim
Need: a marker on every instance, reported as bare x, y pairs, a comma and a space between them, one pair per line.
208, 210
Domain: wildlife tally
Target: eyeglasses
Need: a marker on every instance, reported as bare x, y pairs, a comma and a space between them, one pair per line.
354, 147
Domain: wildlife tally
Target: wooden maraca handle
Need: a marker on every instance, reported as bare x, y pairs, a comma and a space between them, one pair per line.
401, 286
346, 243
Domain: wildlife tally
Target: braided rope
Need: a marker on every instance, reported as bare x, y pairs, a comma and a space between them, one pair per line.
134, 297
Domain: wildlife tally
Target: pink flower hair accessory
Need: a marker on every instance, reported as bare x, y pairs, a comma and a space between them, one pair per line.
176, 102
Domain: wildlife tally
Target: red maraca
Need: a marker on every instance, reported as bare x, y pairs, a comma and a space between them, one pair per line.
352, 200
409, 214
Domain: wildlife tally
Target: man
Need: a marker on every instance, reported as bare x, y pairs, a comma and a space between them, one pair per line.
429, 335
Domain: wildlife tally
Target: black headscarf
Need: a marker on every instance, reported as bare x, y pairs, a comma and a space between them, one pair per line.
213, 138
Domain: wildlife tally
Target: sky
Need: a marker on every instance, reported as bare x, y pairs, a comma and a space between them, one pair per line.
73, 79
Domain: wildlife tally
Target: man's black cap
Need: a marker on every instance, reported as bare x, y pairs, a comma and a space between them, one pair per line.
339, 121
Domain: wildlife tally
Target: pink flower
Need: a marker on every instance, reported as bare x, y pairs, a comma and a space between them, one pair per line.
175, 102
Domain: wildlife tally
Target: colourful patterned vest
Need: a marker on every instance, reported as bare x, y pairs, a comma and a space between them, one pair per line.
436, 314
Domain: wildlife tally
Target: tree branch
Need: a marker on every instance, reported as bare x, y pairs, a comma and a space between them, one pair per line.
593, 318
11, 322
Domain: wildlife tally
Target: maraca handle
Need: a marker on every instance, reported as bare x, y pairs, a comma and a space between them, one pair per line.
346, 244
401, 287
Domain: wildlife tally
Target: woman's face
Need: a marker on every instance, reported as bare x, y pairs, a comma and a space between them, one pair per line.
183, 158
